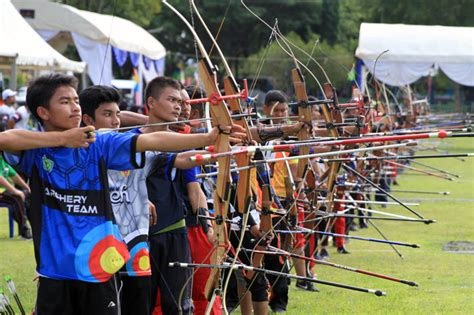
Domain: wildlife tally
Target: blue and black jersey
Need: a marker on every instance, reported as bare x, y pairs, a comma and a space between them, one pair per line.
189, 176
75, 236
164, 184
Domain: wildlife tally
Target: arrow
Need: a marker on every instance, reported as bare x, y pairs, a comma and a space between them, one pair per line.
277, 251
11, 287
279, 274
384, 191
398, 157
289, 147
5, 303
315, 155
360, 238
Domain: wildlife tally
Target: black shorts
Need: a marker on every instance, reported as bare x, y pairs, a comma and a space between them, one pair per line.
258, 285
77, 297
135, 295
173, 284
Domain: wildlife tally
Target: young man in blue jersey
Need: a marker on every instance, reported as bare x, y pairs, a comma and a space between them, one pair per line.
78, 246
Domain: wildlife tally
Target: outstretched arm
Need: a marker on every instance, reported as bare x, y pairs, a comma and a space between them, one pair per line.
128, 119
171, 141
19, 140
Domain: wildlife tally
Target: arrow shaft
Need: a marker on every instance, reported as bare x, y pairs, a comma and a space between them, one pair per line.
378, 212
376, 240
369, 202
408, 167
289, 147
436, 169
381, 190
279, 274
426, 221
399, 157
315, 155
400, 191
252, 149
277, 251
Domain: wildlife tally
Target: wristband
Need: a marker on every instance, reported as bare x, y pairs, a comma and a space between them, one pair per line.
267, 135
187, 129
202, 214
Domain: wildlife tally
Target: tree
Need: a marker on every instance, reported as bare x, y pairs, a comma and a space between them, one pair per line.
330, 21
335, 60
239, 33
351, 15
424, 12
140, 12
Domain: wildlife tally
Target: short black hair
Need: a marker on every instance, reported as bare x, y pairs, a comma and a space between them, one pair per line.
274, 96
91, 98
158, 84
196, 92
41, 90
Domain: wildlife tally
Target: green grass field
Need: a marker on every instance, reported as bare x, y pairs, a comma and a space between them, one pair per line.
446, 279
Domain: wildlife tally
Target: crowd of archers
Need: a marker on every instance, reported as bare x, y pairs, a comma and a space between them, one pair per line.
116, 210
173, 212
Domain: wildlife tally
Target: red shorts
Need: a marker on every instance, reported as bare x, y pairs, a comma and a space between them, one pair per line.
200, 249
299, 239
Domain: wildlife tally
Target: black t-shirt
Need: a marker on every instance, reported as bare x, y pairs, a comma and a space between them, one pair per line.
164, 192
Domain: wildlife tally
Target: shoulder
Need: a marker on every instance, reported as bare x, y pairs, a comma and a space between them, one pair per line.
135, 131
22, 110
112, 138
112, 135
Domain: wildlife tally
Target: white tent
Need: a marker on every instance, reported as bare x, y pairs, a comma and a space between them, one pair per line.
94, 35
415, 51
21, 43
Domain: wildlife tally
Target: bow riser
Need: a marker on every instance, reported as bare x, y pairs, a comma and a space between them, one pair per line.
243, 184
304, 111
220, 117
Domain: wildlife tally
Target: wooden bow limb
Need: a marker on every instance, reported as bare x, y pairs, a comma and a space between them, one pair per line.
304, 111
334, 168
243, 183
220, 117
243, 161
266, 226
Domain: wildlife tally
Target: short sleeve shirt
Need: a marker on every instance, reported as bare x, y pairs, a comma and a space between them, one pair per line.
22, 118
74, 232
129, 198
6, 171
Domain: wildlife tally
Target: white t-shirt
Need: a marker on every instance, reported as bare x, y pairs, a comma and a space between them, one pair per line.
24, 116
7, 110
